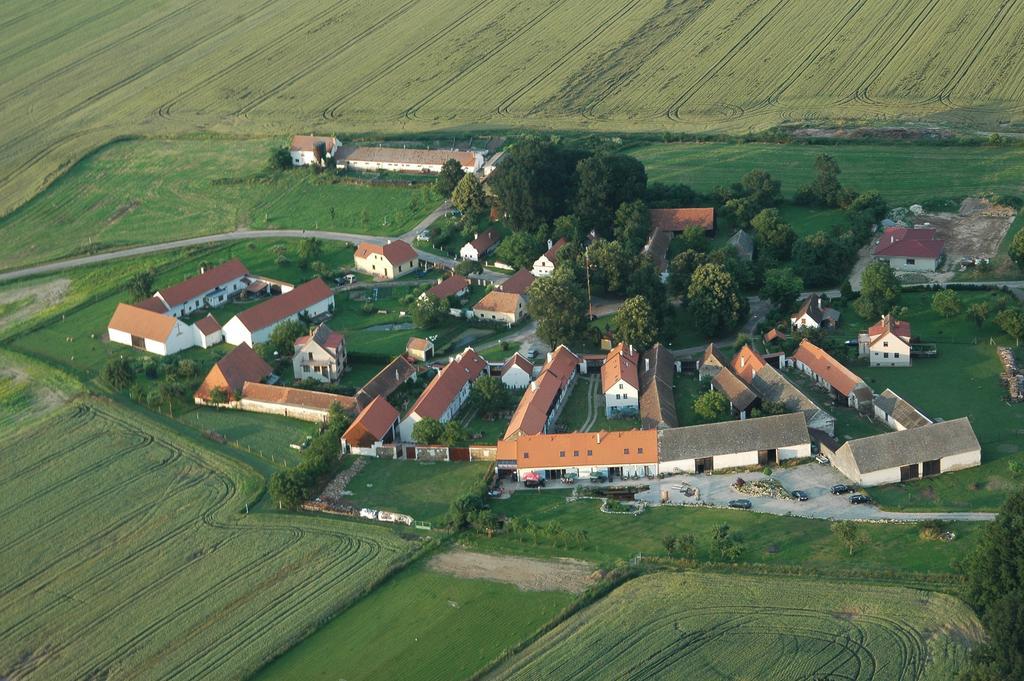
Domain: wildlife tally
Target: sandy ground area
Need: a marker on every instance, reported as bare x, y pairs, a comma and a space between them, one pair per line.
44, 398
39, 297
975, 232
529, 574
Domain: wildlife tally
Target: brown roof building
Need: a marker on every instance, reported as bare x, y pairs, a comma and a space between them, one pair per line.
517, 283
454, 285
232, 371
255, 324
657, 390
846, 386
199, 286
679, 219
378, 422
386, 381
581, 450
307, 405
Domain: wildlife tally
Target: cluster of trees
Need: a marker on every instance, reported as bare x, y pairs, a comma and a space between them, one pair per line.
430, 431
946, 303
1017, 249
290, 486
551, 532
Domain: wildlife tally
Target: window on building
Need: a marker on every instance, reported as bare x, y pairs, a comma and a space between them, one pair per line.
526, 455
910, 261
885, 355
639, 450
590, 452
576, 452
896, 354
625, 451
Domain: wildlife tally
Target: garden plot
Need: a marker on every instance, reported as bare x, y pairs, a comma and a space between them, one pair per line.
974, 232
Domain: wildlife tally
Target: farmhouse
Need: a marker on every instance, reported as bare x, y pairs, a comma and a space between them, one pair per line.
886, 344
307, 150
680, 219
731, 444
552, 456
897, 413
620, 381
844, 386
741, 398
389, 261
913, 250
771, 386
744, 245
376, 425
813, 314
161, 334
445, 395
480, 246
208, 332
454, 286
657, 392
387, 380
545, 264
213, 287
305, 405
419, 349
231, 372
711, 363
903, 455
501, 307
656, 249
255, 325
517, 283
320, 356
516, 372
545, 397
404, 160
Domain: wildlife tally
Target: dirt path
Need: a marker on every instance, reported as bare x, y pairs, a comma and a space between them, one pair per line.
529, 574
592, 405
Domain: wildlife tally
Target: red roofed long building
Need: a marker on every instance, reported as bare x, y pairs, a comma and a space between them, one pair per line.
231, 373
151, 331
552, 456
620, 381
386, 261
211, 288
844, 386
445, 395
544, 397
255, 325
914, 250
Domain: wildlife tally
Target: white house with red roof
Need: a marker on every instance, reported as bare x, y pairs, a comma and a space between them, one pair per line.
320, 356
160, 334
886, 344
255, 324
454, 286
620, 381
388, 261
307, 150
545, 264
208, 332
913, 250
444, 396
516, 372
480, 246
212, 287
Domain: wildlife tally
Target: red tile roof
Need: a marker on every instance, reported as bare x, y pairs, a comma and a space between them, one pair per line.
552, 253
678, 219
419, 344
294, 397
593, 449
285, 305
200, 284
531, 413
142, 323
324, 336
888, 324
517, 360
309, 142
910, 243
774, 334
233, 370
518, 282
484, 241
372, 424
831, 371
153, 304
208, 325
621, 363
499, 301
448, 383
395, 252
449, 287
746, 363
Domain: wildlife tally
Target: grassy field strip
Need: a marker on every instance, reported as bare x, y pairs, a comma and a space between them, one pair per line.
705, 626
131, 557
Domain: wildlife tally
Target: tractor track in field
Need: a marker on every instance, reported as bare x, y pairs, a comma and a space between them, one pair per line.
521, 30
673, 110
165, 109
332, 111
504, 107
50, 40
7, 23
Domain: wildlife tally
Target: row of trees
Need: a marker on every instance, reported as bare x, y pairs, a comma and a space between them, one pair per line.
292, 485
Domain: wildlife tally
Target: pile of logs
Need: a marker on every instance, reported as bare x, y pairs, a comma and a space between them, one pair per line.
1011, 376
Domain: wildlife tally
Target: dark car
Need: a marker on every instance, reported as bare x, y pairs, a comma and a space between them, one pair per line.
533, 482
860, 499
740, 503
800, 495
841, 489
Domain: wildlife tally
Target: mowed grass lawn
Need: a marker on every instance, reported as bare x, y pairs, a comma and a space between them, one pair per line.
706, 627
962, 381
421, 489
264, 435
421, 626
902, 173
767, 539
149, 191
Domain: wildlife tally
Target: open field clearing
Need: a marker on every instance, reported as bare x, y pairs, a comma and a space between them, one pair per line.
902, 173
528, 574
276, 67
421, 625
127, 555
149, 191
705, 626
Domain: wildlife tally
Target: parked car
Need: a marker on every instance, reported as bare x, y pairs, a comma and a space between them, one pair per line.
851, 341
532, 354
841, 489
740, 503
494, 492
860, 499
597, 476
533, 482
822, 459
800, 495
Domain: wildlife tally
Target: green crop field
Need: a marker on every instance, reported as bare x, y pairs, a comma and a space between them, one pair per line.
127, 554
902, 173
274, 67
423, 626
706, 626
147, 191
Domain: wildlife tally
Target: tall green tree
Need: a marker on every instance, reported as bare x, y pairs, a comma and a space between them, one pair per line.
867, 209
681, 269
520, 249
773, 237
1017, 249
140, 284
782, 287
454, 435
310, 249
632, 225
978, 313
879, 290
429, 311
489, 395
604, 182
119, 373
826, 189
611, 265
636, 323
536, 182
711, 406
946, 303
559, 305
428, 431
449, 177
820, 259
469, 198
282, 338
1011, 321
715, 302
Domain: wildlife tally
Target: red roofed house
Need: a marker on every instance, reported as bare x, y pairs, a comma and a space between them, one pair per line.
305, 405
376, 425
208, 332
679, 219
545, 397
620, 381
307, 150
392, 260
320, 356
151, 331
445, 395
480, 246
213, 287
886, 344
552, 456
255, 324
516, 372
455, 285
545, 264
845, 387
501, 307
517, 283
917, 250
419, 349
814, 314
231, 372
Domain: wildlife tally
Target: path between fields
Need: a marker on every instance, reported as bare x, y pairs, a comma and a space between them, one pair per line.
529, 574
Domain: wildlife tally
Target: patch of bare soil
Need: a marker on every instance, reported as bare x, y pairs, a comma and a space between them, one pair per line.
122, 210
42, 296
975, 232
529, 574
44, 398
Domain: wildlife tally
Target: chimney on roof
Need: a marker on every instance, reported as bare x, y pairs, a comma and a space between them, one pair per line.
743, 361
599, 434
647, 363
476, 235
550, 244
388, 242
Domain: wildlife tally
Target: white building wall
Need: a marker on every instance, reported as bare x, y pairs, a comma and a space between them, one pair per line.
516, 378
622, 398
542, 267
204, 341
958, 462
878, 357
235, 333
912, 265
406, 426
119, 336
467, 252
585, 471
885, 476
294, 412
805, 322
